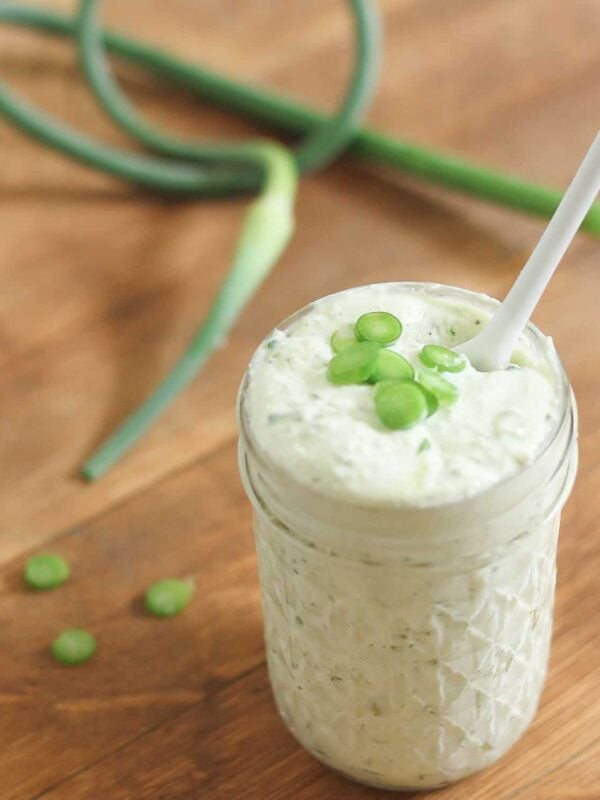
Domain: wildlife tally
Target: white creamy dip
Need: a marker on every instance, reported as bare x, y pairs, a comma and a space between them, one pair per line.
407, 589
329, 437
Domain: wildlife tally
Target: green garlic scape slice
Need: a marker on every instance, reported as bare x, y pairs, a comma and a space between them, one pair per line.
445, 391
168, 597
400, 404
46, 571
432, 402
355, 364
73, 646
391, 366
441, 359
342, 339
378, 326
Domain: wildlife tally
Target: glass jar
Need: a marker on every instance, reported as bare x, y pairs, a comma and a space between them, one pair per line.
407, 647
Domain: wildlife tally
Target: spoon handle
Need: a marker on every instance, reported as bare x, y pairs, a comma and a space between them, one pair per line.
521, 300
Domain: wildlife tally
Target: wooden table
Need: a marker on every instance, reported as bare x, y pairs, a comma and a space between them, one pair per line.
101, 288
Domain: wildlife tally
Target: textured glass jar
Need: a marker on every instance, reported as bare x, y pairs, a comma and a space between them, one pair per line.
407, 647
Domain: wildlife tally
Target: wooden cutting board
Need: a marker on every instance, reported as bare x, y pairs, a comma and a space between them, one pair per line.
101, 286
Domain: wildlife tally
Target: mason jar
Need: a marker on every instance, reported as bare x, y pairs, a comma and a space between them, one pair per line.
407, 646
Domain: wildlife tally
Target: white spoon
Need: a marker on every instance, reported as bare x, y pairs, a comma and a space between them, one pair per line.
491, 349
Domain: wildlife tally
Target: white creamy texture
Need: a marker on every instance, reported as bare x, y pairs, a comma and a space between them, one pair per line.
406, 678
330, 438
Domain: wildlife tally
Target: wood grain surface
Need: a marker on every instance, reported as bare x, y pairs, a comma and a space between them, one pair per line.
101, 287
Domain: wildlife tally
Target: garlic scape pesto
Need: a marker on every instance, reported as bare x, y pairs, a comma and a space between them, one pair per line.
407, 574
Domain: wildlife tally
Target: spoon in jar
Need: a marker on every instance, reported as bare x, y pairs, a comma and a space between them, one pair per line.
491, 349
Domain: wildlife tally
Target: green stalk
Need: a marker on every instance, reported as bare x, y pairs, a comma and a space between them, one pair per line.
269, 222
266, 231
152, 172
293, 117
